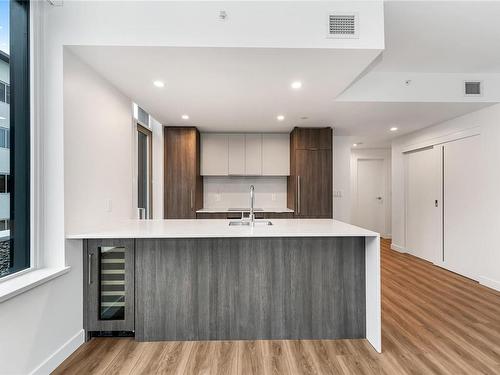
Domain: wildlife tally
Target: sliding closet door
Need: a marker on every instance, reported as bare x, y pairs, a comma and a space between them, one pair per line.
422, 211
461, 214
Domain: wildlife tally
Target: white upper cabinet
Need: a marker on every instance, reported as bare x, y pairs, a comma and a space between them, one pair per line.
236, 154
275, 154
253, 154
249, 154
214, 154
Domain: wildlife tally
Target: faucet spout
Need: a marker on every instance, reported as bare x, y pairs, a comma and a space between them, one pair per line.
252, 200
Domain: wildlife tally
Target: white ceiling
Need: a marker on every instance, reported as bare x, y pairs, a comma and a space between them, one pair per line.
244, 89
231, 89
371, 121
441, 37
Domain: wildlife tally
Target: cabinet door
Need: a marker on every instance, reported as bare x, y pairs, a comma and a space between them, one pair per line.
214, 154
253, 154
109, 285
275, 154
313, 184
182, 182
236, 154
313, 138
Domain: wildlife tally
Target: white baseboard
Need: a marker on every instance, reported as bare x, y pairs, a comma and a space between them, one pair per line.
54, 360
395, 247
493, 284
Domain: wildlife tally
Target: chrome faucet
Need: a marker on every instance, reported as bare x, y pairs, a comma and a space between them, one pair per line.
252, 199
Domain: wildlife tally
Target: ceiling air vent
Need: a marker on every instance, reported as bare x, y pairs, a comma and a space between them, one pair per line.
343, 26
473, 88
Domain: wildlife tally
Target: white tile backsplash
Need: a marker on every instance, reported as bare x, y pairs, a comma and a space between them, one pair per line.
234, 192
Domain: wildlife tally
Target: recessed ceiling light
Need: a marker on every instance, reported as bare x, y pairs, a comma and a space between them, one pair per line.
393, 129
354, 145
185, 117
159, 84
2, 118
296, 85
280, 117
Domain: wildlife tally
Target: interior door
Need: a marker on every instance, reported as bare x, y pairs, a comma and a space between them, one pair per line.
422, 210
370, 208
461, 192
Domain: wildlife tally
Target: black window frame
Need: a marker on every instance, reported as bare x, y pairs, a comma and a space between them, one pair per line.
20, 141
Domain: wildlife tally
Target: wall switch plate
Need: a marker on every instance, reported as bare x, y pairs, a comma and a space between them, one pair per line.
218, 197
109, 205
337, 194
273, 197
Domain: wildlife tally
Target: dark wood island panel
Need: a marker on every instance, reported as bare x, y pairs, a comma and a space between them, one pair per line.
250, 288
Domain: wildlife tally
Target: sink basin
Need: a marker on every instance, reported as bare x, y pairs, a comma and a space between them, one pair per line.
247, 222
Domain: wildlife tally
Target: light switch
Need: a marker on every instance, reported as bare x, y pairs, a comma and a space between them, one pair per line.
337, 194
109, 205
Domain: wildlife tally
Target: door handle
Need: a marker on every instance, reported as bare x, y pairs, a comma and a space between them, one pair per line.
298, 195
379, 198
89, 267
191, 198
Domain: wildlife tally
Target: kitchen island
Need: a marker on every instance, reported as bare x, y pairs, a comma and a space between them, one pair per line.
206, 280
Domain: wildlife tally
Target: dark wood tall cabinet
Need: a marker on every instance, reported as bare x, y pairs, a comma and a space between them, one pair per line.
183, 184
310, 188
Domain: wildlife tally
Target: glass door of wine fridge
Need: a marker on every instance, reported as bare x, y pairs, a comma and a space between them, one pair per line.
109, 285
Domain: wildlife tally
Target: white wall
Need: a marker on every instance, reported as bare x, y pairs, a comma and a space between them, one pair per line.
49, 317
487, 121
342, 177
41, 327
157, 130
98, 149
233, 192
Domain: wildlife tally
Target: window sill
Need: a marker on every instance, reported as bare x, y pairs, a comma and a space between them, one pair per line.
29, 280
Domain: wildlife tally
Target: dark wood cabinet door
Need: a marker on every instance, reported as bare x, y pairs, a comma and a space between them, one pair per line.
109, 285
312, 138
313, 184
183, 184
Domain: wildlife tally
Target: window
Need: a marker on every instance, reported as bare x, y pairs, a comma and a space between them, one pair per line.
4, 138
14, 137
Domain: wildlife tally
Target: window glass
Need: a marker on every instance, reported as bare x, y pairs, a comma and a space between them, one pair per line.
15, 122
3, 92
2, 138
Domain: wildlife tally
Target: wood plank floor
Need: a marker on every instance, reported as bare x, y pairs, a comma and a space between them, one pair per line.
434, 322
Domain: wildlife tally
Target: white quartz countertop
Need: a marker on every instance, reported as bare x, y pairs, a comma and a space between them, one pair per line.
213, 228
228, 210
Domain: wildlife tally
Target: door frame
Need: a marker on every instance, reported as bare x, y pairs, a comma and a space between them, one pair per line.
149, 134
373, 154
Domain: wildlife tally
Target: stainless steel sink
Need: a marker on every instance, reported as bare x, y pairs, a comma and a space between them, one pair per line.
247, 222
